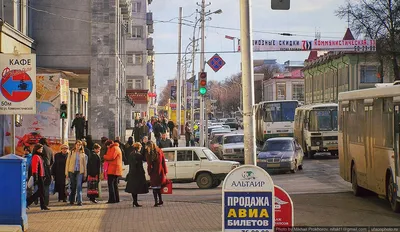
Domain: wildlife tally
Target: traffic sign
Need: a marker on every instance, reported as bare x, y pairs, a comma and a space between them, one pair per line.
247, 200
18, 84
216, 63
284, 213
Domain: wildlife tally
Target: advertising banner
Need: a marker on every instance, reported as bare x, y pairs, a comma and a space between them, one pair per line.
173, 93
314, 45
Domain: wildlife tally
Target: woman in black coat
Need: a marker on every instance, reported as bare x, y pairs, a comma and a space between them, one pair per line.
93, 172
136, 178
58, 173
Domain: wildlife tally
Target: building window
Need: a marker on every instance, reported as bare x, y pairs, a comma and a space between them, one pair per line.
135, 58
269, 92
368, 74
136, 7
137, 32
134, 84
280, 91
298, 91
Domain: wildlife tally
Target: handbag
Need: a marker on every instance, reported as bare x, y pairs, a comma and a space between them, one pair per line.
51, 187
30, 182
93, 186
167, 187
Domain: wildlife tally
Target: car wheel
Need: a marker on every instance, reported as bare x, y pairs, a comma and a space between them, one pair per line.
294, 170
204, 181
310, 154
391, 195
301, 167
216, 183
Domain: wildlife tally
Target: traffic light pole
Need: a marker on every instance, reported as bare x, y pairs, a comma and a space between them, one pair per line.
62, 131
202, 128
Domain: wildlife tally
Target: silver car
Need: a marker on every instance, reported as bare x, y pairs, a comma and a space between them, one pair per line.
282, 153
233, 147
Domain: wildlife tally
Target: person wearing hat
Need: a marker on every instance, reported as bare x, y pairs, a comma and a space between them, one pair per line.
58, 172
136, 179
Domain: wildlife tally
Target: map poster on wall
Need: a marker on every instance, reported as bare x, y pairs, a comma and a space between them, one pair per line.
46, 123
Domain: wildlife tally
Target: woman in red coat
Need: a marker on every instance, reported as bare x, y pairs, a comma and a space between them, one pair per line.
157, 170
38, 175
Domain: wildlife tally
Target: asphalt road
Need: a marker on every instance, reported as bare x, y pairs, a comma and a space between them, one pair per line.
320, 196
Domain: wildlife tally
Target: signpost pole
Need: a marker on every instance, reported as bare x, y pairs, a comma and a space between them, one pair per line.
13, 134
247, 82
62, 131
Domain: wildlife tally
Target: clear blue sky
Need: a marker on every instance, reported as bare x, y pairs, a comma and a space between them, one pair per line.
303, 19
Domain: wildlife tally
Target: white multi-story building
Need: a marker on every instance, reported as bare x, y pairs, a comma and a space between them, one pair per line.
140, 62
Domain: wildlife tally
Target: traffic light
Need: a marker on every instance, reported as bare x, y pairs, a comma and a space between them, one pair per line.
202, 83
63, 110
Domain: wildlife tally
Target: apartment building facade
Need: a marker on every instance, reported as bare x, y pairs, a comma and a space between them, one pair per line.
87, 38
14, 27
139, 50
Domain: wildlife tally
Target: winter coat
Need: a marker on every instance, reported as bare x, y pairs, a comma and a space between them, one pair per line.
128, 149
157, 168
58, 171
114, 160
93, 166
136, 179
165, 143
70, 164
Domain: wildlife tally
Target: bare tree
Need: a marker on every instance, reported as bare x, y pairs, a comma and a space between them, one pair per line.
165, 95
380, 20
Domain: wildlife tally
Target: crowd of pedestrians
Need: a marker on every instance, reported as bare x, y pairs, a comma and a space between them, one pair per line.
66, 171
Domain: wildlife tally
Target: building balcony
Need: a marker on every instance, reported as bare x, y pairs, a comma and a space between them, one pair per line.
150, 68
150, 29
126, 8
149, 18
150, 44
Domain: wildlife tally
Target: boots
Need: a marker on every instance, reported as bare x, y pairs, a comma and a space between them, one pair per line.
160, 202
135, 200
155, 197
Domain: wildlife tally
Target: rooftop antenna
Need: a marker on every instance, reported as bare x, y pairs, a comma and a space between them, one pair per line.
317, 34
348, 15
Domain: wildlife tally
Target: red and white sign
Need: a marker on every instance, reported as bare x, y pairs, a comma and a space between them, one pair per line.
284, 213
18, 84
314, 45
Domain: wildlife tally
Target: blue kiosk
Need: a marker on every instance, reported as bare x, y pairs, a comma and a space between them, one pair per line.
13, 191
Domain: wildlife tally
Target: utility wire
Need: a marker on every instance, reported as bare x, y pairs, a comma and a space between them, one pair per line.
155, 20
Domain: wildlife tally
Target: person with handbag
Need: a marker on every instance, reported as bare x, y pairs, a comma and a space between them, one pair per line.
58, 172
93, 170
75, 170
157, 170
136, 179
38, 175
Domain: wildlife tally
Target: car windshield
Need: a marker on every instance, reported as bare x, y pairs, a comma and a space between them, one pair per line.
234, 139
210, 155
278, 145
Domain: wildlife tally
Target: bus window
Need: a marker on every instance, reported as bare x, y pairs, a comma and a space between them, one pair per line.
335, 120
288, 110
323, 120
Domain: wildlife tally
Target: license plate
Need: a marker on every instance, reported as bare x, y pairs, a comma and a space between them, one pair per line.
283, 135
273, 165
262, 161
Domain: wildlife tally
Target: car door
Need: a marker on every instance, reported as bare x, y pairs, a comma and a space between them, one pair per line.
170, 160
185, 165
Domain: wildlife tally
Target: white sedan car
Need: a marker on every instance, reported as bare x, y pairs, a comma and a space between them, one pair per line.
194, 164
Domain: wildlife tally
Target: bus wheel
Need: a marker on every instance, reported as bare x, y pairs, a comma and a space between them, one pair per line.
391, 195
354, 185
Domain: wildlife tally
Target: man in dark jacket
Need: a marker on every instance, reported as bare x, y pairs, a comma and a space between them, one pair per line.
171, 126
79, 126
48, 160
164, 142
